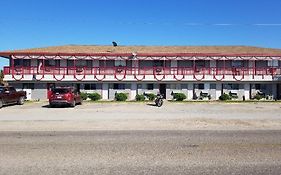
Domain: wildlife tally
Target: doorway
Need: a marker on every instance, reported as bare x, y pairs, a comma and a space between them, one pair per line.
278, 91
78, 87
162, 90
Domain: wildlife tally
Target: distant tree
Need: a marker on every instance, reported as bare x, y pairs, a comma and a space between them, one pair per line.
1, 77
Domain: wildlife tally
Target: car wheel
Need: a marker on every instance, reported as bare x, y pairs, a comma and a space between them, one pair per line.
72, 104
51, 105
1, 104
80, 103
21, 101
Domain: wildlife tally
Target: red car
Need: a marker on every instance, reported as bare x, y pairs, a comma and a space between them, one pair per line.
64, 96
9, 95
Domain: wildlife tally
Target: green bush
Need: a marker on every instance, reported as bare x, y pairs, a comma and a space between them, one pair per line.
84, 95
179, 96
224, 97
140, 97
258, 97
94, 96
150, 97
121, 97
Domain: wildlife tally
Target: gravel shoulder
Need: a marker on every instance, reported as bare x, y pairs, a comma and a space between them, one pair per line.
142, 116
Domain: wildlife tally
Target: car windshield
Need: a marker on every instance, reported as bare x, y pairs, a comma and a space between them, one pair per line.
61, 91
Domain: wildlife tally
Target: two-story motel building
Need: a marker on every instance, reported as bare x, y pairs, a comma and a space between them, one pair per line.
240, 70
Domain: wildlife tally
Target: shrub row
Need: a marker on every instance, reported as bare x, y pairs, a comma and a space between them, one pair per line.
225, 97
179, 96
91, 96
121, 96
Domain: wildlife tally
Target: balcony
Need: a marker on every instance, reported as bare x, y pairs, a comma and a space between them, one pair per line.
147, 73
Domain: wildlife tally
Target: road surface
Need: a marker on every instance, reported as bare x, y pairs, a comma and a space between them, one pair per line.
141, 152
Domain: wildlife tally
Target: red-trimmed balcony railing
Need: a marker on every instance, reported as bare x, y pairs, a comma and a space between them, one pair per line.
156, 71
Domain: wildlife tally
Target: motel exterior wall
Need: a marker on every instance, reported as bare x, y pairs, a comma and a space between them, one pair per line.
190, 89
245, 89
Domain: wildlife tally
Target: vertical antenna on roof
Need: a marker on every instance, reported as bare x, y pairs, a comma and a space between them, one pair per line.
114, 44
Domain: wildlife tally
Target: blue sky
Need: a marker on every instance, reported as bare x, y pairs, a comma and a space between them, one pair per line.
39, 23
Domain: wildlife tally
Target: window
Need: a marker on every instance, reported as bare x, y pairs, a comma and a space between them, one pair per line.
184, 86
28, 86
120, 63
272, 63
17, 62
22, 62
237, 63
139, 86
232, 86
158, 63
70, 63
150, 87
200, 63
118, 86
213, 86
80, 63
52, 63
90, 86
89, 63
258, 86
201, 86
26, 63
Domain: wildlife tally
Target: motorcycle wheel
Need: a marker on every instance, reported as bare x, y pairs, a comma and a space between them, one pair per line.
160, 103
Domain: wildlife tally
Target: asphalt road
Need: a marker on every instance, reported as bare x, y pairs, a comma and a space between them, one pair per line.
141, 152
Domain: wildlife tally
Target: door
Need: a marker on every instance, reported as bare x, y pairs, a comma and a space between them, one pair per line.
162, 90
278, 91
5, 96
13, 96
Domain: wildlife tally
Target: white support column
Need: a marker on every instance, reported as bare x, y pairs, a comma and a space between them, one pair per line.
105, 91
189, 91
218, 90
133, 91
247, 91
135, 64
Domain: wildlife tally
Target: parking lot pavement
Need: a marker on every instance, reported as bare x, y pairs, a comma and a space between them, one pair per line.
141, 116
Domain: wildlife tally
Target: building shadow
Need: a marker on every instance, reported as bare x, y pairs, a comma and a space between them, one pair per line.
9, 105
56, 106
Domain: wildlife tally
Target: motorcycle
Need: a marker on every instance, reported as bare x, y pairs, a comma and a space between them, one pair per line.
159, 100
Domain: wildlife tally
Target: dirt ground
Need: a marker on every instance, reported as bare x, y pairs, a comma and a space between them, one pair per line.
142, 116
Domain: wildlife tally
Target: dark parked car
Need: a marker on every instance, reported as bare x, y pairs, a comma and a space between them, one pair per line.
64, 96
9, 95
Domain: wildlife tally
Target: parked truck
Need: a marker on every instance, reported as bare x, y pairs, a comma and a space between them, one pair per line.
9, 95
